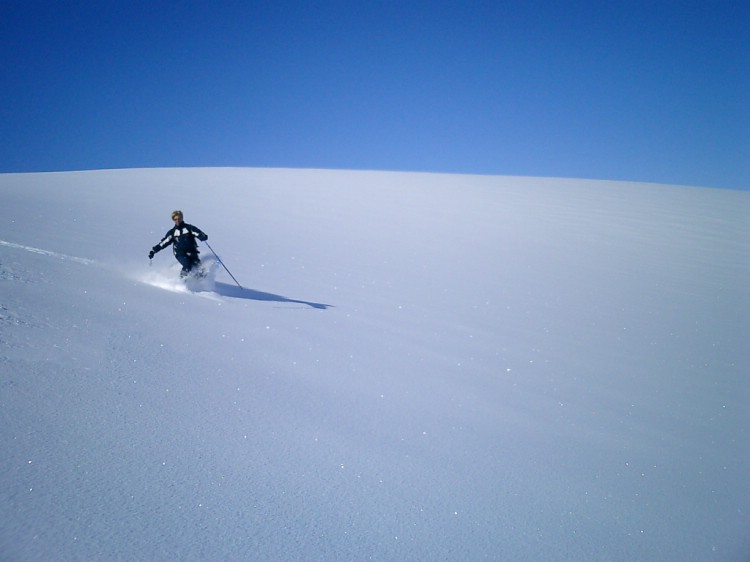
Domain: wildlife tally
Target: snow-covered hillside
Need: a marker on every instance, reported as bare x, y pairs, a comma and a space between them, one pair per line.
415, 367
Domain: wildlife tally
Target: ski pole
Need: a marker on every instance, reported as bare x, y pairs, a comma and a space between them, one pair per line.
222, 263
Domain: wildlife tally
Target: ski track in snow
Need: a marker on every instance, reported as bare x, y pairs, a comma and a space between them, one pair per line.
57, 255
167, 279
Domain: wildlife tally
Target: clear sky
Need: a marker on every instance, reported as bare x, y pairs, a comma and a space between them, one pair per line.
655, 90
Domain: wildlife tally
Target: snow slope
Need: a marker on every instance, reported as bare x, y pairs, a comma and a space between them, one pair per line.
416, 367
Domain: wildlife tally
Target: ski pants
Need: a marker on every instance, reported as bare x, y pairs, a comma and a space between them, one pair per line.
188, 261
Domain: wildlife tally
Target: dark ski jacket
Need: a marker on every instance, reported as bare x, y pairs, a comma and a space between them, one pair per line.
182, 238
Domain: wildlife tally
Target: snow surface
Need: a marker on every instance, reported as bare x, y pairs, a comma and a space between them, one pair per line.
417, 367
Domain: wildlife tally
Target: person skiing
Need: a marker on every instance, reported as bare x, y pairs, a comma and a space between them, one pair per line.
182, 238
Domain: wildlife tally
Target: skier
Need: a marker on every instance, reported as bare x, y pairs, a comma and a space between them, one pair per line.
182, 237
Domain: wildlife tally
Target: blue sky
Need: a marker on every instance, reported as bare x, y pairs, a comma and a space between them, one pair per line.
645, 91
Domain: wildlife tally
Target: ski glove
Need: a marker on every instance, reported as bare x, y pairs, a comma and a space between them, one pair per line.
151, 255
203, 237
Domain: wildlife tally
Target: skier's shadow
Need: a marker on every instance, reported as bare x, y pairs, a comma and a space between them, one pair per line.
236, 292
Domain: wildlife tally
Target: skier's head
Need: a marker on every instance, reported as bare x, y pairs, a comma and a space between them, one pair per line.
177, 216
